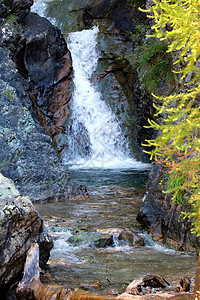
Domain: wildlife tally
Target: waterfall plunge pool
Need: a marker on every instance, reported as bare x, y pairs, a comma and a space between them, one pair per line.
115, 198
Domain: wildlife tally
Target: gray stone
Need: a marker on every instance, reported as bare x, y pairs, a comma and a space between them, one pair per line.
27, 155
20, 226
162, 217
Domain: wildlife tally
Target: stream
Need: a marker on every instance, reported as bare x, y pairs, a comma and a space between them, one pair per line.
115, 198
115, 178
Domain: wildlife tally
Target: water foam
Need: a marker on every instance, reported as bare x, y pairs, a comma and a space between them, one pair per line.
95, 138
39, 7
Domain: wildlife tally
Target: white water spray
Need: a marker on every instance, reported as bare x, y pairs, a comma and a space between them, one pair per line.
95, 137
39, 7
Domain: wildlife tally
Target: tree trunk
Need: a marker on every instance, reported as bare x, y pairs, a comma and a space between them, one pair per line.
31, 288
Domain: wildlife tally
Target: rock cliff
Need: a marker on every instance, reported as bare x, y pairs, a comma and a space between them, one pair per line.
32, 62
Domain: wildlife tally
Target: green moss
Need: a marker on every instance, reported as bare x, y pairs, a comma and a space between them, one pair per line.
154, 64
137, 2
8, 94
11, 18
12, 21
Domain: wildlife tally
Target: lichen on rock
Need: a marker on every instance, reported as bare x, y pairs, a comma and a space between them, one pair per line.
20, 226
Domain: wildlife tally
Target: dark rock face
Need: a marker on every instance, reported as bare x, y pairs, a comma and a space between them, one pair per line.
17, 7
26, 152
27, 155
162, 217
41, 55
20, 227
47, 62
119, 11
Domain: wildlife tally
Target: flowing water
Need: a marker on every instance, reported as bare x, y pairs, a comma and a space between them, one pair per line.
95, 138
115, 198
98, 156
105, 139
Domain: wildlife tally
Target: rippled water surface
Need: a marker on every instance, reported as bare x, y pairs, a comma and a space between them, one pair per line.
115, 198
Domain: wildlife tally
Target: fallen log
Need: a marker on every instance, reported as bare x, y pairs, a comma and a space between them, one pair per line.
31, 288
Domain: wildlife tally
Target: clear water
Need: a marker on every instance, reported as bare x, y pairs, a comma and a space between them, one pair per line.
115, 198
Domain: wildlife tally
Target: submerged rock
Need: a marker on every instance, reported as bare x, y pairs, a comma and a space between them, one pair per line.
21, 225
90, 238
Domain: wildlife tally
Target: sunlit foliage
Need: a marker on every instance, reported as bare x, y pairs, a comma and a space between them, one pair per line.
177, 146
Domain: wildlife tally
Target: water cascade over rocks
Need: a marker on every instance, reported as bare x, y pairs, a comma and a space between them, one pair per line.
94, 136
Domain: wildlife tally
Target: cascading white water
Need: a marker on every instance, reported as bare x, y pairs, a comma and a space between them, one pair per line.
39, 7
95, 137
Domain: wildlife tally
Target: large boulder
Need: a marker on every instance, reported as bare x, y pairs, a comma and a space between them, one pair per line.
162, 217
21, 226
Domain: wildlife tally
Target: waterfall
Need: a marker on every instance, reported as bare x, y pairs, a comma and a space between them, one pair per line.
95, 138
93, 134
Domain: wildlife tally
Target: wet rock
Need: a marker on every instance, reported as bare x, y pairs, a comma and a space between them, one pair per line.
185, 284
119, 11
3, 10
20, 227
90, 238
132, 238
162, 217
104, 241
91, 286
153, 281
27, 155
110, 231
20, 8
41, 54
47, 63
